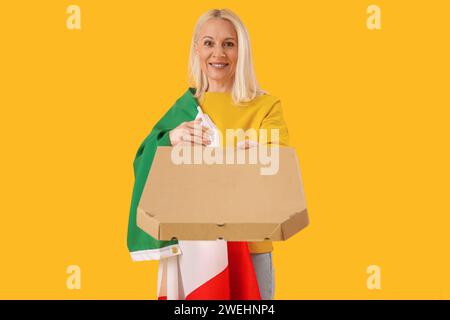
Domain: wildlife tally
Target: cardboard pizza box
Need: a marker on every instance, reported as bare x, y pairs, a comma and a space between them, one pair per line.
233, 201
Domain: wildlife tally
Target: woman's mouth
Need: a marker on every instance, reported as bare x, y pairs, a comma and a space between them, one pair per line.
219, 65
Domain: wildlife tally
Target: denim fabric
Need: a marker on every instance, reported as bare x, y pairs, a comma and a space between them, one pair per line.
265, 273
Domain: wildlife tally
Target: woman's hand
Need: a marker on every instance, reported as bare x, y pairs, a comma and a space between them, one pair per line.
190, 133
247, 144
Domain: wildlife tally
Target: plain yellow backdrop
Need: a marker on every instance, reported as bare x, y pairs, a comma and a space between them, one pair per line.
367, 111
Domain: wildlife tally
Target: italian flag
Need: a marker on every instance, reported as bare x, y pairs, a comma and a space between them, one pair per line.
208, 270
191, 270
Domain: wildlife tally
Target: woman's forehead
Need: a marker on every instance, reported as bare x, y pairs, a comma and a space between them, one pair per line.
218, 29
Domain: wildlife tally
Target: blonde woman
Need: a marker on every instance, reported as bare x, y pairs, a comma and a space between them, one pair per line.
223, 86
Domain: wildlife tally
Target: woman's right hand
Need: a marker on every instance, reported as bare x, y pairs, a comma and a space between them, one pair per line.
190, 133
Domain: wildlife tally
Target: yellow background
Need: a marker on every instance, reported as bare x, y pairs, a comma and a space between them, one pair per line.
367, 111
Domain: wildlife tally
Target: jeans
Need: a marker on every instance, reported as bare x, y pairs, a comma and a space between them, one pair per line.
265, 274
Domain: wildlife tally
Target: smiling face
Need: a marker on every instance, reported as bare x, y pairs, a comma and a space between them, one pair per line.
217, 49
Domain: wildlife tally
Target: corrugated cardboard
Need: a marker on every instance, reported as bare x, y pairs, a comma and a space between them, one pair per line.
234, 202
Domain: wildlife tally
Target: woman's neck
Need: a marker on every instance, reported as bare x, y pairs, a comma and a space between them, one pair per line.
216, 87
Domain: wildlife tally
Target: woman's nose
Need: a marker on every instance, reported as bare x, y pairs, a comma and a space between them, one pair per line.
218, 52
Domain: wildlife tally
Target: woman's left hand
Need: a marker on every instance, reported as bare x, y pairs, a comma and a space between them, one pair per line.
247, 144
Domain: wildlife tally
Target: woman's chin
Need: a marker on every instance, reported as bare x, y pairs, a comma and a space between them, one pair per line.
218, 77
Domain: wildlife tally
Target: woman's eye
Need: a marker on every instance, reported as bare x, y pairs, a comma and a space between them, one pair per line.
209, 43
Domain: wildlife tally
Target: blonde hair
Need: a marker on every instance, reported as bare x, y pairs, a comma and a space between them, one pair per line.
245, 85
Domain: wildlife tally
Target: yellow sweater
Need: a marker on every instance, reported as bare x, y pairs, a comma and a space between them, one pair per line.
263, 112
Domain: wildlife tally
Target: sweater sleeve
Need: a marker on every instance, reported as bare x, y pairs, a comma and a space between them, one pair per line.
275, 120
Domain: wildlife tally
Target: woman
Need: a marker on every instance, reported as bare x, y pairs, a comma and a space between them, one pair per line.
225, 87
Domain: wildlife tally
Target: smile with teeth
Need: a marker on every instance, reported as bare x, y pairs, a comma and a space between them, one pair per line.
219, 65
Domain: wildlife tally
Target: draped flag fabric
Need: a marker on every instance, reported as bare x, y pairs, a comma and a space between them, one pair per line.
191, 270
208, 270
